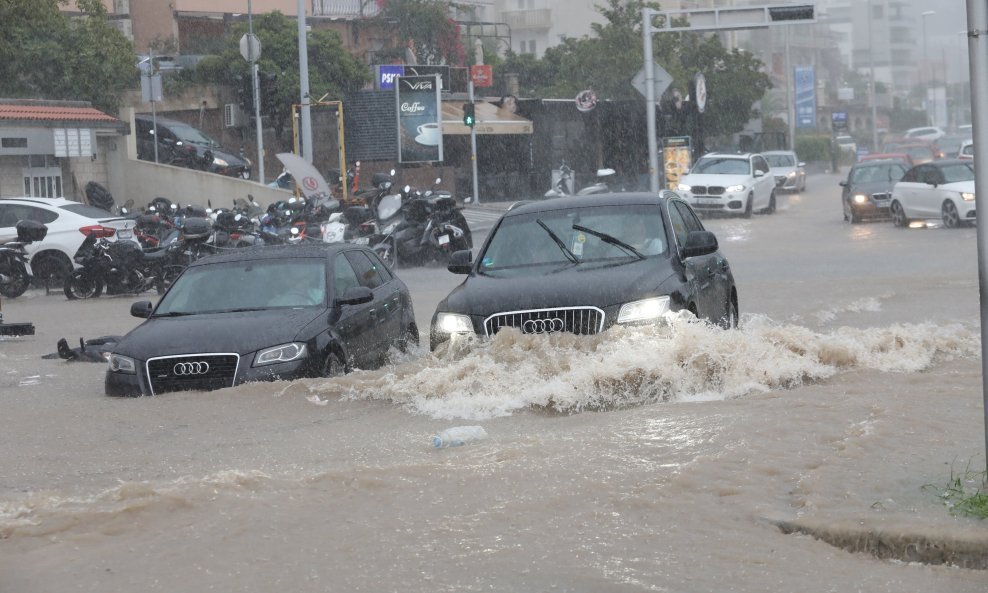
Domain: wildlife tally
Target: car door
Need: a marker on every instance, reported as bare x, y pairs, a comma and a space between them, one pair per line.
925, 193
905, 190
703, 272
382, 311
764, 183
353, 324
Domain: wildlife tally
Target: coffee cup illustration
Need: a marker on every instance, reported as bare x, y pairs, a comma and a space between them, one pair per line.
429, 134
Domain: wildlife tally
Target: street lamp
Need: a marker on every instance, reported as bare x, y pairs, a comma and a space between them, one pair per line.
925, 64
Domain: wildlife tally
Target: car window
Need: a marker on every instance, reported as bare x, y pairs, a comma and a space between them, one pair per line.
957, 172
261, 284
521, 245
191, 135
344, 278
367, 272
780, 160
758, 164
689, 217
722, 166
878, 173
381, 267
679, 226
967, 149
86, 210
14, 213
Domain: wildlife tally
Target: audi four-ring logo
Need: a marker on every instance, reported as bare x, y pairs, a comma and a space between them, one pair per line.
191, 368
543, 326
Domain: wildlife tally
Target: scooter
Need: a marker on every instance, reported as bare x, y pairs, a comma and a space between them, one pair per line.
563, 185
15, 275
600, 187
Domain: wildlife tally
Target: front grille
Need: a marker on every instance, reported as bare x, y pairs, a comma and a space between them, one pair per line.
707, 206
576, 320
712, 190
188, 372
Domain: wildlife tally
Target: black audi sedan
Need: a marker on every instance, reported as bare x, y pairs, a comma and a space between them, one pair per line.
867, 190
280, 312
582, 264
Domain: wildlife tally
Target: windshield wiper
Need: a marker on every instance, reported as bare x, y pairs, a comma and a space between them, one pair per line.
609, 239
562, 246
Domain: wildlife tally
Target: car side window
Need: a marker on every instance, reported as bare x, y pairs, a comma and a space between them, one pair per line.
910, 176
367, 273
679, 227
344, 277
11, 214
689, 217
382, 269
760, 164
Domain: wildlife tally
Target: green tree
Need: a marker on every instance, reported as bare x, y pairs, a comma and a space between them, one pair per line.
48, 55
607, 60
434, 36
333, 72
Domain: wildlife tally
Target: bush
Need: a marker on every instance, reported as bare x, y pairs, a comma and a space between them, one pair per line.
813, 148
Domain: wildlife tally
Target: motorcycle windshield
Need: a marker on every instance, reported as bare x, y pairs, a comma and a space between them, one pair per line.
388, 206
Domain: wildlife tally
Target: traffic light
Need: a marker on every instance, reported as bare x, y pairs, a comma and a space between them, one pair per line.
245, 94
469, 117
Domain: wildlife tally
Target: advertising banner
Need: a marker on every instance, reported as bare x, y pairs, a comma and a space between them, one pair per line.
420, 131
805, 82
676, 159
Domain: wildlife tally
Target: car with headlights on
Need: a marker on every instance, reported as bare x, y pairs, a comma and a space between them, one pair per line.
183, 145
263, 314
867, 190
730, 184
788, 170
941, 189
583, 264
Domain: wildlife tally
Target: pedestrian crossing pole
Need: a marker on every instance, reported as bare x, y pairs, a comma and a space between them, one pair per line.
473, 148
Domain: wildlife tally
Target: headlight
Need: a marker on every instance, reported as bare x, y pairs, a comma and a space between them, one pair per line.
791, 174
684, 187
652, 308
122, 364
219, 162
860, 198
968, 196
283, 353
454, 323
735, 188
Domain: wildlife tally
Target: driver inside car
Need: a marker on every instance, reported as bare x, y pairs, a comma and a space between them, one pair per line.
638, 235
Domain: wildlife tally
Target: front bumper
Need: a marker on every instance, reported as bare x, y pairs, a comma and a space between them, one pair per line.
872, 207
136, 384
729, 202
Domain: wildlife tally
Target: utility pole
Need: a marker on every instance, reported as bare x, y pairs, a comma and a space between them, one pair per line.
256, 90
874, 89
303, 76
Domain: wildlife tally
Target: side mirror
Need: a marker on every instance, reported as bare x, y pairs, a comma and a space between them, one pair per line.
842, 184
461, 262
439, 180
392, 172
141, 309
759, 173
355, 295
801, 165
700, 243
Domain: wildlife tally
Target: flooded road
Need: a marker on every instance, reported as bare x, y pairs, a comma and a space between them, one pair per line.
680, 458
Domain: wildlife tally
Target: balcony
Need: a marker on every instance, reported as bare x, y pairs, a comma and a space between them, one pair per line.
527, 20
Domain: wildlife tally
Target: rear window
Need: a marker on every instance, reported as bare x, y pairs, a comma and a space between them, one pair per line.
87, 211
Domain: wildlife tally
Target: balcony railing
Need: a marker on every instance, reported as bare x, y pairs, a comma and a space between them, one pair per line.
528, 19
344, 8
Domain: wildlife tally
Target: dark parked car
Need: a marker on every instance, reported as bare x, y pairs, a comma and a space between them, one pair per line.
182, 145
271, 313
582, 264
867, 191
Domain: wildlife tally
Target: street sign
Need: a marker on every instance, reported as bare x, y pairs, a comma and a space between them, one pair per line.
250, 45
481, 75
662, 81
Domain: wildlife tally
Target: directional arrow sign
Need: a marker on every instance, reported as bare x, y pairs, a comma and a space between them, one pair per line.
662, 81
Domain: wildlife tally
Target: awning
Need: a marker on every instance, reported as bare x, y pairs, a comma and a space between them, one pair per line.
491, 120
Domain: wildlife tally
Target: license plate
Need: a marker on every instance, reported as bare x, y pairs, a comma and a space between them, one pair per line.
707, 201
362, 241
125, 234
443, 239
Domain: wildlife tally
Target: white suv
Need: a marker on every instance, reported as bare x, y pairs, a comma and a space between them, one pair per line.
730, 183
70, 224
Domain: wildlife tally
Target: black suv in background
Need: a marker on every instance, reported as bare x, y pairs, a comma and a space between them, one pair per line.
185, 146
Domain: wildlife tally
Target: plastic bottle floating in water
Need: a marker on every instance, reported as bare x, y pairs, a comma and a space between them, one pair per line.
459, 435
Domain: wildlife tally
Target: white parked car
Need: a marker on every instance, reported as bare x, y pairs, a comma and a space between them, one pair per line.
941, 189
925, 133
966, 151
730, 183
789, 172
70, 225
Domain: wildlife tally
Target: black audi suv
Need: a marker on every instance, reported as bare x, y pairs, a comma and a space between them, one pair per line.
271, 313
582, 264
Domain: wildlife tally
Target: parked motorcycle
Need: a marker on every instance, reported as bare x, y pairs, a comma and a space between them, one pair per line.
601, 186
15, 275
563, 185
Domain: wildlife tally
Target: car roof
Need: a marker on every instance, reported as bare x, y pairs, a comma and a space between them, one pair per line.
53, 202
945, 162
322, 250
729, 155
785, 152
611, 199
882, 160
161, 120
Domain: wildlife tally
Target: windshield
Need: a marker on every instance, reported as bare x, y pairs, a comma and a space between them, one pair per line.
247, 285
889, 172
958, 172
722, 166
780, 160
527, 244
193, 135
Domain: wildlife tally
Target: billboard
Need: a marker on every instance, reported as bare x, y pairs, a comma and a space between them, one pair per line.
805, 82
420, 131
386, 74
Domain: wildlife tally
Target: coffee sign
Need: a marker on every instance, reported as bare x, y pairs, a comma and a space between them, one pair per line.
417, 103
